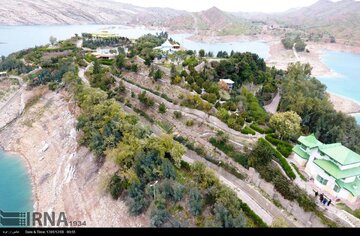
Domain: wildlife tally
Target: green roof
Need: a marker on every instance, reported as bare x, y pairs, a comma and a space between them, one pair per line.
353, 187
304, 155
340, 153
310, 141
333, 170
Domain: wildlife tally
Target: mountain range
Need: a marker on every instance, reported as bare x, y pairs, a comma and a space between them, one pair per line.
341, 19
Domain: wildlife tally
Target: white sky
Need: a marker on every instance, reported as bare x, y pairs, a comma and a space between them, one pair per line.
226, 5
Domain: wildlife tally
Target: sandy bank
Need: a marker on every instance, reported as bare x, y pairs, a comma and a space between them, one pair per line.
65, 178
344, 104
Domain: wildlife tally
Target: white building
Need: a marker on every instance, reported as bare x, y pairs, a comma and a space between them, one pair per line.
168, 47
106, 53
228, 82
334, 168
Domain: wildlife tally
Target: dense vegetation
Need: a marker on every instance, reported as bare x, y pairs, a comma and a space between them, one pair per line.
290, 39
144, 46
11, 63
306, 96
260, 159
151, 175
90, 42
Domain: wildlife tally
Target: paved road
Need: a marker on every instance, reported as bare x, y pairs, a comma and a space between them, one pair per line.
273, 106
82, 72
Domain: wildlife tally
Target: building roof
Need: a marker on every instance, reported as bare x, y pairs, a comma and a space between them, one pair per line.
340, 153
333, 170
167, 44
297, 149
310, 141
353, 187
227, 81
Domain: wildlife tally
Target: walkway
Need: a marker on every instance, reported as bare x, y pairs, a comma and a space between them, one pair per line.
295, 53
264, 208
273, 106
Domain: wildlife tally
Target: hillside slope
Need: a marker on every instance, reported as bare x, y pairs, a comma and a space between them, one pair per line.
35, 12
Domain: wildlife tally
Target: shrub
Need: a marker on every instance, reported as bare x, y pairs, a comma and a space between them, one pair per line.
164, 96
298, 171
272, 138
144, 114
189, 123
115, 187
285, 150
230, 151
281, 160
247, 130
159, 216
257, 128
177, 114
138, 203
145, 99
195, 202
162, 108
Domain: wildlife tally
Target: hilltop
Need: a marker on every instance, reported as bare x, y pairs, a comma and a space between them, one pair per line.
318, 22
35, 12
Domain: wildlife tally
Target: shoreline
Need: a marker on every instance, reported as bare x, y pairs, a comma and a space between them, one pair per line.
26, 162
344, 104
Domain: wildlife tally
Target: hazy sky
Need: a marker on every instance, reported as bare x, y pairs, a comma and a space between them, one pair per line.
226, 5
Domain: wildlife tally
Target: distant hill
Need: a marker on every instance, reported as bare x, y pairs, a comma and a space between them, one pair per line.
212, 21
36, 12
341, 19
323, 19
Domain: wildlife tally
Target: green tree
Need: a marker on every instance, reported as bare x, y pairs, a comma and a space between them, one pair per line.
158, 217
286, 124
120, 61
97, 67
158, 75
168, 169
202, 53
261, 154
195, 202
115, 186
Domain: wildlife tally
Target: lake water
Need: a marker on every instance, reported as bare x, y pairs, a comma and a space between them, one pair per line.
258, 47
347, 81
15, 38
15, 186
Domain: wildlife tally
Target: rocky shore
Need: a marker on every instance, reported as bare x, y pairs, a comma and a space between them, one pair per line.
64, 177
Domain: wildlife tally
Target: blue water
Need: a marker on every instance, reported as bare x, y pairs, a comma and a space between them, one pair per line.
15, 186
15, 38
357, 117
347, 81
258, 47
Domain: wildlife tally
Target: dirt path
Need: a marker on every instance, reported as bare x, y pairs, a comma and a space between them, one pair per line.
295, 52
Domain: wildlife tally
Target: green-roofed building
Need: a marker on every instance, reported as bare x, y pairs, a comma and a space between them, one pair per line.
334, 167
